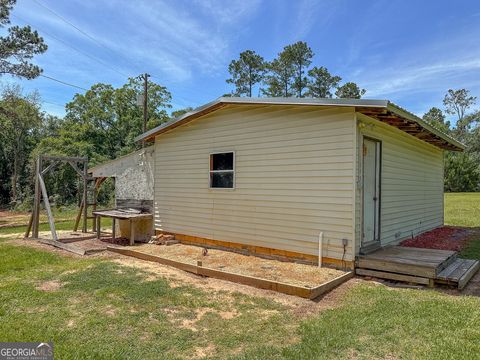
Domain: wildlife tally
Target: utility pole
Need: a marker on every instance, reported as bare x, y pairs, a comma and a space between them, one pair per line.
145, 100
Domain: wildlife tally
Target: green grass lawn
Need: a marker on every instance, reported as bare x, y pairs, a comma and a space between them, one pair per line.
463, 209
96, 308
64, 220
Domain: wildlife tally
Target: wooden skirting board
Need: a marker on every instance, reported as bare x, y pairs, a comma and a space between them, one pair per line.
394, 276
269, 253
305, 292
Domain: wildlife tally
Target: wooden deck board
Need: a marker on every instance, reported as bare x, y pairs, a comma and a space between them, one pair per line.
445, 273
413, 254
393, 276
412, 250
468, 274
418, 265
461, 269
401, 268
419, 262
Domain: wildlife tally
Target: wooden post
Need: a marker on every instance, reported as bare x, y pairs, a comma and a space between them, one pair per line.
94, 205
36, 200
145, 104
29, 226
79, 216
113, 229
132, 232
85, 195
47, 207
97, 222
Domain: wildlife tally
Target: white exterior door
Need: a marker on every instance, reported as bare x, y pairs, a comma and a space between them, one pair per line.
371, 192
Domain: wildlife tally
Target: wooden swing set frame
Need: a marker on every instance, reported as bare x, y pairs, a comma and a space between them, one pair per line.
44, 164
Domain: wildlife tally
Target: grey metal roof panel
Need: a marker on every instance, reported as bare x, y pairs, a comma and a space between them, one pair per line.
362, 103
266, 101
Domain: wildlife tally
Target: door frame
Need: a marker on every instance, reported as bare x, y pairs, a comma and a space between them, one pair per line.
373, 245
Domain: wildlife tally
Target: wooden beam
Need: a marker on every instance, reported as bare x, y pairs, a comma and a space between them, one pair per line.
79, 216
132, 232
98, 221
75, 167
47, 207
85, 196
36, 200
393, 276
49, 167
69, 247
29, 226
64, 158
113, 229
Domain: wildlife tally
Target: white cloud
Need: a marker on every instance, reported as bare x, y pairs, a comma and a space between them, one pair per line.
166, 38
313, 13
396, 80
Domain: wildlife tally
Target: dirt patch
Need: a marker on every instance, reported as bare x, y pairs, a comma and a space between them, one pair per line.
330, 300
443, 238
301, 307
203, 352
13, 218
218, 288
227, 315
51, 285
191, 323
472, 288
281, 271
109, 311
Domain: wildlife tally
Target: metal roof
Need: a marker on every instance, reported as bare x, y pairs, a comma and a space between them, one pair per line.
382, 110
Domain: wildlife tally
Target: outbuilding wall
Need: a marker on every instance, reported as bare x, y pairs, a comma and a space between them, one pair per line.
411, 182
294, 178
134, 178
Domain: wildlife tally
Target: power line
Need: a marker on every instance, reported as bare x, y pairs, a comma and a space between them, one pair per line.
53, 103
81, 31
74, 48
92, 38
63, 82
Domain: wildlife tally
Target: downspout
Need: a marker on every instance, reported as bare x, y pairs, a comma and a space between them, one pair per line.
320, 248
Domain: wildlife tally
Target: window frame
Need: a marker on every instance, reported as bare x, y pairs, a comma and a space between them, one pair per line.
210, 171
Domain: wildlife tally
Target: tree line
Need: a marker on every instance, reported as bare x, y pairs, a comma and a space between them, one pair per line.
461, 169
288, 75
103, 122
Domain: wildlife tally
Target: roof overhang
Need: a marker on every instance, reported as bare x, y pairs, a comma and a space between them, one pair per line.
381, 110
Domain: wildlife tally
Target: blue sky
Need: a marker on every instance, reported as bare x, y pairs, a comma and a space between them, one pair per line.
406, 51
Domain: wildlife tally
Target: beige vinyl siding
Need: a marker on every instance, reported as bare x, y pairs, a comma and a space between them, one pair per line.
293, 178
411, 183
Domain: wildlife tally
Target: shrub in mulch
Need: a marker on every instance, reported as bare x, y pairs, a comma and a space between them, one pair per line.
443, 238
117, 241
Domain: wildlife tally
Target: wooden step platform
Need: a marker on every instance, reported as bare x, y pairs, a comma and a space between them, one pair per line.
458, 273
417, 265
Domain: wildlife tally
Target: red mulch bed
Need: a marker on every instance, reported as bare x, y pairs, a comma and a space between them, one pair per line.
443, 238
117, 241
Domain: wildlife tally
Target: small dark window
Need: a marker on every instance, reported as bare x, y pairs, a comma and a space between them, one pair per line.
222, 173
